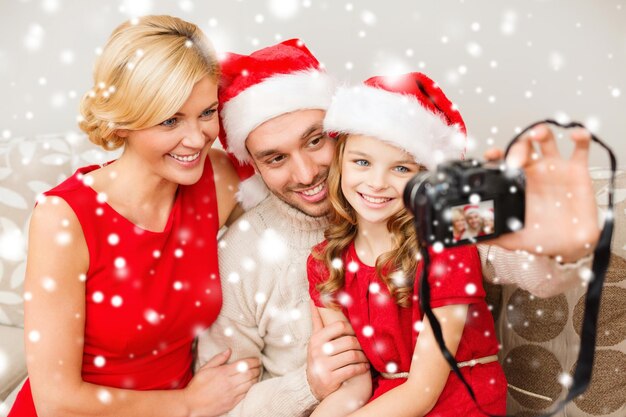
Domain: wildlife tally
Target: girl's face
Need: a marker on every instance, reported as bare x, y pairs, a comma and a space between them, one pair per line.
176, 149
373, 177
488, 225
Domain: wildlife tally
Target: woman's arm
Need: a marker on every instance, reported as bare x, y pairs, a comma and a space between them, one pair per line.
226, 185
54, 335
353, 393
429, 370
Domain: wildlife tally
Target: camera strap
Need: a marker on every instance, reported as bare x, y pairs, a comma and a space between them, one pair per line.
602, 254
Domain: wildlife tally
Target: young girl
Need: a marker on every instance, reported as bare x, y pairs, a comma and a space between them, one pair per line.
364, 272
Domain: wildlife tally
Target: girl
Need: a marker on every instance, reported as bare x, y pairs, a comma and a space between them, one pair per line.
364, 272
122, 262
488, 227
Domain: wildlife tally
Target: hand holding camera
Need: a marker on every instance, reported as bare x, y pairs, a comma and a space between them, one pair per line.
552, 196
547, 199
561, 212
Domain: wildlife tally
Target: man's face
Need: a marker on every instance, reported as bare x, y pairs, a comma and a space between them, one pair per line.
473, 220
292, 155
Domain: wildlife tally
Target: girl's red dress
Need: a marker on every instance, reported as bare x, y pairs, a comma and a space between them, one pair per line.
147, 294
455, 278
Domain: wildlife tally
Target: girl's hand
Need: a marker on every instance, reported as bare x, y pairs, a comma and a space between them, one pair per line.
217, 387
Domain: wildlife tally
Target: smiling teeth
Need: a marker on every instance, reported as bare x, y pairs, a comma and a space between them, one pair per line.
188, 158
313, 191
375, 200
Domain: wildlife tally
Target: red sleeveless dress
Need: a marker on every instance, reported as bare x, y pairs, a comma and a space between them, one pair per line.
148, 294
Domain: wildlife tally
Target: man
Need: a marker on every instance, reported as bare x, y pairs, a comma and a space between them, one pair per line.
474, 222
273, 104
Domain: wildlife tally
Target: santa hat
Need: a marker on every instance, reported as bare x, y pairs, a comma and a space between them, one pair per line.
409, 111
255, 88
487, 214
471, 209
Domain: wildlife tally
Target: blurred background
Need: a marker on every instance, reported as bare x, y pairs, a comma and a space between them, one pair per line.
505, 63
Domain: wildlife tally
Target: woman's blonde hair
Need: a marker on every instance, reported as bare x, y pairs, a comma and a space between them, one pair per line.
457, 214
397, 268
144, 75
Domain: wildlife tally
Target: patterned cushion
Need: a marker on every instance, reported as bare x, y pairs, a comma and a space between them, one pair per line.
27, 168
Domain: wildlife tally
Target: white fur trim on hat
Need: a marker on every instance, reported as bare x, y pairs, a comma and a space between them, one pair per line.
472, 209
251, 192
398, 119
280, 94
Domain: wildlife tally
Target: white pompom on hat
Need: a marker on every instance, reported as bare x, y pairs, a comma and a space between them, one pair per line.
255, 88
409, 111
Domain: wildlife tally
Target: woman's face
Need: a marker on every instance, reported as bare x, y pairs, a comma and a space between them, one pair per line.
176, 149
458, 224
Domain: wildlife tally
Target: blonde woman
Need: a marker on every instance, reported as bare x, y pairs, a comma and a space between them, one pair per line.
122, 264
458, 223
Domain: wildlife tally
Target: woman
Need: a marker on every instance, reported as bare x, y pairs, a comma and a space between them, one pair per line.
458, 224
122, 263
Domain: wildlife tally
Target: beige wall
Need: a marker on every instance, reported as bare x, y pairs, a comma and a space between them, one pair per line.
506, 63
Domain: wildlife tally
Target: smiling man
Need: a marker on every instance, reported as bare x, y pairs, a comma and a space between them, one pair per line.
273, 105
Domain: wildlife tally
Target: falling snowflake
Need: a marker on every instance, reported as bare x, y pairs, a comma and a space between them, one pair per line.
391, 367
283, 9
99, 361
470, 289
242, 366
119, 262
104, 396
34, 336
97, 297
116, 301
272, 246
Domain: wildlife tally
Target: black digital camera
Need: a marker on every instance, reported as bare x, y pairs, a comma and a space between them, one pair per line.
464, 202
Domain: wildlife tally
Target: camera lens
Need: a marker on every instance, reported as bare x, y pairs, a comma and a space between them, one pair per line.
411, 197
476, 180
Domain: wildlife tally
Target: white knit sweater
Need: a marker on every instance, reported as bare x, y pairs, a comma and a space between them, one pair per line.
265, 311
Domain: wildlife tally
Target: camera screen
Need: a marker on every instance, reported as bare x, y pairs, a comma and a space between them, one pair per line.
468, 222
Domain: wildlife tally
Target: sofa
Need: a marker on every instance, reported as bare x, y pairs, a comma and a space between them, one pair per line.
31, 166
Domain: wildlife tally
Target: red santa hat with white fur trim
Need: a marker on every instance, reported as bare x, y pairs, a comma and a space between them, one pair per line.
255, 88
409, 111
471, 209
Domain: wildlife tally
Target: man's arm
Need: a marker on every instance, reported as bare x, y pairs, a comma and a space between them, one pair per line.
561, 222
561, 212
542, 276
237, 329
